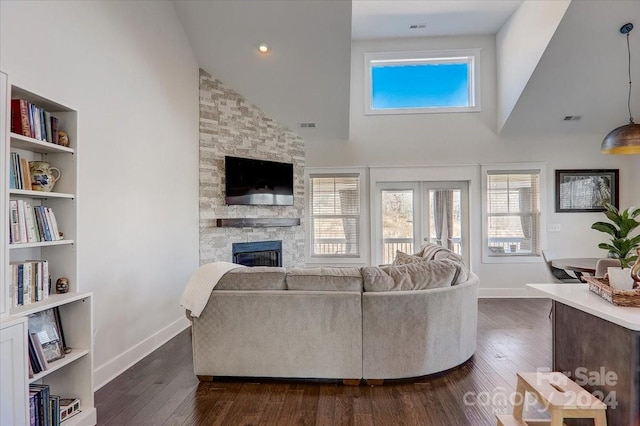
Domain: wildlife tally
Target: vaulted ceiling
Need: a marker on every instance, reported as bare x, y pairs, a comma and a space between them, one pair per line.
306, 76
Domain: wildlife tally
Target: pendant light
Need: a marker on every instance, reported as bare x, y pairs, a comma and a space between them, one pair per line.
625, 139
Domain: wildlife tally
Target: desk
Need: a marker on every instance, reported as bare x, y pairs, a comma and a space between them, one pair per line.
578, 264
593, 337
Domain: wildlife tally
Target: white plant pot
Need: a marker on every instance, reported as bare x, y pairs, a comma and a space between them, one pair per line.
620, 279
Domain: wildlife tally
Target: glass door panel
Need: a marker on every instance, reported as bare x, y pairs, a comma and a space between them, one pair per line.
398, 230
445, 218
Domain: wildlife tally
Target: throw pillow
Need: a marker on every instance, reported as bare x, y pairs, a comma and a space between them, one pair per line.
406, 259
414, 276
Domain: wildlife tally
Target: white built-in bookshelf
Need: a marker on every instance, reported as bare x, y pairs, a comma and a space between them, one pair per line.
72, 375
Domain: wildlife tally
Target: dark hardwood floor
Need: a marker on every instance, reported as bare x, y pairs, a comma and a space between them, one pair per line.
513, 335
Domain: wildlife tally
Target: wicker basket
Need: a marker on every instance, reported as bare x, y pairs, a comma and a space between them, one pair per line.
601, 287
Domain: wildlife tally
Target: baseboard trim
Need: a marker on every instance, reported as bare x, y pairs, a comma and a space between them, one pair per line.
112, 369
486, 293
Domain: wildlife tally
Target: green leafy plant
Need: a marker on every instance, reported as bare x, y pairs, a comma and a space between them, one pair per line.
624, 222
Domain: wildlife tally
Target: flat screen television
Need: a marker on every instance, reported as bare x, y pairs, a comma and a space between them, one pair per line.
258, 182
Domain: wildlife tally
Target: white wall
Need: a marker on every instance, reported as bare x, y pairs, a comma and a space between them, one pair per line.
520, 44
129, 71
470, 138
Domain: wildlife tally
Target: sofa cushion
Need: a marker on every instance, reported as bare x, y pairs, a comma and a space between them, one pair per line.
324, 279
253, 278
414, 276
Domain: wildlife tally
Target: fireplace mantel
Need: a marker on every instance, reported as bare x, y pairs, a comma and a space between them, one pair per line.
265, 222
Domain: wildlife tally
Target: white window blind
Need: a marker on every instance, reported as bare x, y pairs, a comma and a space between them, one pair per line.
335, 215
513, 213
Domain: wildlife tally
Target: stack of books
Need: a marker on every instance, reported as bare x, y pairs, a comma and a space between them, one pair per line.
50, 410
31, 224
30, 281
30, 120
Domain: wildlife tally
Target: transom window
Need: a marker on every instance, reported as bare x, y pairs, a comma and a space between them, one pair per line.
421, 82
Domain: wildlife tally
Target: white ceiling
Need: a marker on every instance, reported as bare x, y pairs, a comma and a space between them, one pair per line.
583, 72
375, 19
306, 78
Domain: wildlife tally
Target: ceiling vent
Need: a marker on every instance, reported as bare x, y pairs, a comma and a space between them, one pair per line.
572, 117
417, 26
307, 125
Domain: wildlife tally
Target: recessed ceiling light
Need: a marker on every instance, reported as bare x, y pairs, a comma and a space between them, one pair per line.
263, 48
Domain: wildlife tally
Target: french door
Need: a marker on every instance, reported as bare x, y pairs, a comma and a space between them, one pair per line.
409, 213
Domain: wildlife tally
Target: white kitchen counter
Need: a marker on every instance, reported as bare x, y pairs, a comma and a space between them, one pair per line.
579, 297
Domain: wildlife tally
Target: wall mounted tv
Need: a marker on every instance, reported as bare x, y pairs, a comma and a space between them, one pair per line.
258, 182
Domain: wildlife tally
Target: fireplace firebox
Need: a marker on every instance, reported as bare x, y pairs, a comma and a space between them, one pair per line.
258, 253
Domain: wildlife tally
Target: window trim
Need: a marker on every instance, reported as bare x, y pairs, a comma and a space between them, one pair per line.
436, 56
363, 241
506, 168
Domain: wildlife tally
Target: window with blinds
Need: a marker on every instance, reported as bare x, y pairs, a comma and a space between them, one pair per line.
513, 212
334, 215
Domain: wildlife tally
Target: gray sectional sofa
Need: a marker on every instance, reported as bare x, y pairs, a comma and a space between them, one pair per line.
375, 323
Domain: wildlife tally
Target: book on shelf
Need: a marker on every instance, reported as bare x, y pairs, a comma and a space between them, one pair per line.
56, 312
27, 289
22, 228
33, 357
51, 218
20, 117
54, 129
14, 172
30, 368
47, 126
33, 407
40, 224
14, 182
30, 120
54, 401
36, 123
38, 352
32, 235
69, 407
14, 222
26, 173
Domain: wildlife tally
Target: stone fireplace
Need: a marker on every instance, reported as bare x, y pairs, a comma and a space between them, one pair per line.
231, 125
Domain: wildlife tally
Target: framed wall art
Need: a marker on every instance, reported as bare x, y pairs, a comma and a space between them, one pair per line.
586, 190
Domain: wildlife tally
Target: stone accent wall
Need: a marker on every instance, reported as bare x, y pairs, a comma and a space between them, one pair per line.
229, 125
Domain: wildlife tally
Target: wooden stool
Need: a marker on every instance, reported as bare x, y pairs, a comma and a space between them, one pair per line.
562, 397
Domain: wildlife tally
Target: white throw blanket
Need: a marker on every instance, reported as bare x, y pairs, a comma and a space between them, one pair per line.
202, 283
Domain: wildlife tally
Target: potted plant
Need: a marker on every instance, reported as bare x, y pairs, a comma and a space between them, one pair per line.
622, 246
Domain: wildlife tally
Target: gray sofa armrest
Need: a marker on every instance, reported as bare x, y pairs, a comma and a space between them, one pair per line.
415, 333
